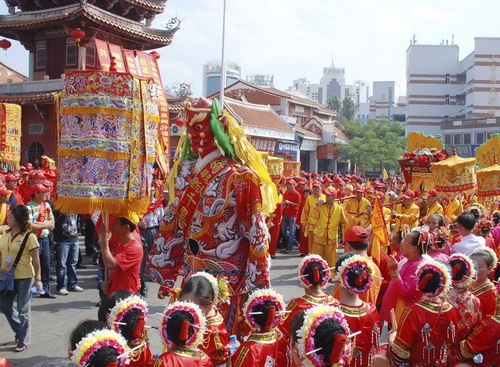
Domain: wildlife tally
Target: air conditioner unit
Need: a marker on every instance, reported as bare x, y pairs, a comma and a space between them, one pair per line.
175, 130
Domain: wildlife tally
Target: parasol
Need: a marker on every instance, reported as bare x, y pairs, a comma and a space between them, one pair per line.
488, 178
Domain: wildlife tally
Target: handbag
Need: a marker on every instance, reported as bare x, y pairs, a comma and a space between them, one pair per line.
7, 277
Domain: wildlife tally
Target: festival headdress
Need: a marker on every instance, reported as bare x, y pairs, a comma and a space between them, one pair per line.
427, 271
322, 274
219, 286
341, 351
95, 340
117, 313
234, 143
259, 297
355, 274
458, 262
484, 226
489, 251
198, 323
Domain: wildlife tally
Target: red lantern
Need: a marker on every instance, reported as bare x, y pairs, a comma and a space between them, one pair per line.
179, 122
155, 54
5, 44
78, 35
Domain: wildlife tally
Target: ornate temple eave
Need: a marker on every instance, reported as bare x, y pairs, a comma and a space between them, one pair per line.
148, 38
29, 98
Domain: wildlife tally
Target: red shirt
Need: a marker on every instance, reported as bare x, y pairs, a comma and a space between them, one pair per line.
126, 275
291, 211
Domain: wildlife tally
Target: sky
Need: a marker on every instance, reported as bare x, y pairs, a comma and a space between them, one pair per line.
293, 39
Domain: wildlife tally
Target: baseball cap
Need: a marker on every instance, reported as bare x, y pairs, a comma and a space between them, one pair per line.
11, 177
4, 191
29, 166
317, 183
331, 192
22, 168
39, 188
349, 187
356, 234
408, 194
39, 175
360, 188
291, 181
433, 193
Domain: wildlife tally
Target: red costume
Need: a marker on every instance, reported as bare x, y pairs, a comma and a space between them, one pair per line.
488, 295
363, 318
183, 358
142, 359
216, 340
469, 307
484, 340
261, 350
274, 230
303, 303
426, 331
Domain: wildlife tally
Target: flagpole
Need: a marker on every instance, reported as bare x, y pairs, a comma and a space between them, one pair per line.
223, 64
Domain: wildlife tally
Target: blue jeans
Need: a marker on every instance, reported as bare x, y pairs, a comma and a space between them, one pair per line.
149, 235
288, 231
67, 257
44, 252
18, 317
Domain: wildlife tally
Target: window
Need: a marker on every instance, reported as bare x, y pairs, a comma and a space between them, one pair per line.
446, 117
35, 129
479, 138
466, 138
447, 79
447, 139
447, 99
41, 55
457, 138
71, 52
91, 55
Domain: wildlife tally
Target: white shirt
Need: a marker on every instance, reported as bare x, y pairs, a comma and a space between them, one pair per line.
468, 244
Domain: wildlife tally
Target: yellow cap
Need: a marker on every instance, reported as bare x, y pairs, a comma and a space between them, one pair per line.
133, 217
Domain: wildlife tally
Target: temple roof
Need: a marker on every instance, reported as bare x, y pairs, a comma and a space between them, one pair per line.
29, 98
20, 26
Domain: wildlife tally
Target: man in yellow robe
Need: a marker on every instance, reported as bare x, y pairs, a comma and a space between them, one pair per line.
406, 213
356, 208
327, 217
453, 209
433, 203
307, 218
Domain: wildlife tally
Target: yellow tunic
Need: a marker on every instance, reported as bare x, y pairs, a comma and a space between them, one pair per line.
355, 206
453, 209
306, 218
435, 209
409, 216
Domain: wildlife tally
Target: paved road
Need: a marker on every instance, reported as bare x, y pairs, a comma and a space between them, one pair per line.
53, 320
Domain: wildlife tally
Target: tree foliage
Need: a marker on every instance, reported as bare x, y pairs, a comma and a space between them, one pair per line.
348, 108
334, 103
374, 146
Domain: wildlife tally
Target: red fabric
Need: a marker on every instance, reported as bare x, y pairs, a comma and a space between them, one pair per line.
261, 354
216, 340
274, 231
126, 275
363, 318
18, 196
469, 307
25, 191
303, 243
290, 210
176, 359
386, 274
487, 295
143, 360
484, 341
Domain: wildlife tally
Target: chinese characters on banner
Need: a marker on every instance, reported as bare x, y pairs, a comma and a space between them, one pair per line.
263, 144
129, 57
103, 54
116, 52
144, 64
327, 151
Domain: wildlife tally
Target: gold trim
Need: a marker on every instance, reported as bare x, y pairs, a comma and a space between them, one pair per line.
269, 337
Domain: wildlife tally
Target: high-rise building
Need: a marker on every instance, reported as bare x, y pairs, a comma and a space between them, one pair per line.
383, 105
262, 80
459, 96
212, 71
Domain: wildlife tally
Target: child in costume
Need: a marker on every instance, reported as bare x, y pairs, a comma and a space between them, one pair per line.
463, 274
182, 331
428, 327
483, 288
92, 344
354, 276
128, 317
203, 289
319, 337
265, 346
313, 275
483, 345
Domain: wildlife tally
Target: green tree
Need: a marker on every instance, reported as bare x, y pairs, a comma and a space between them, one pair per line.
348, 108
376, 146
351, 129
334, 103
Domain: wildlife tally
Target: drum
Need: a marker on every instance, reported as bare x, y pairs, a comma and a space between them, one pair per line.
381, 358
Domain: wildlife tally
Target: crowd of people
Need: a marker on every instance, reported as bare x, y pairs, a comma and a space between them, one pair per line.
432, 284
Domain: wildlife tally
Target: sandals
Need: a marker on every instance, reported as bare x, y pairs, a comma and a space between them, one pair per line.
19, 348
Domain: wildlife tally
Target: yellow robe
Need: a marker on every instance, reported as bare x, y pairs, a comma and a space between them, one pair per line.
355, 206
453, 209
306, 217
409, 216
435, 209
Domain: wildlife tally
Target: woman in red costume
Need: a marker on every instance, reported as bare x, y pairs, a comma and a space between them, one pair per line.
128, 317
354, 276
265, 344
182, 330
319, 337
203, 289
463, 274
483, 288
428, 327
314, 275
